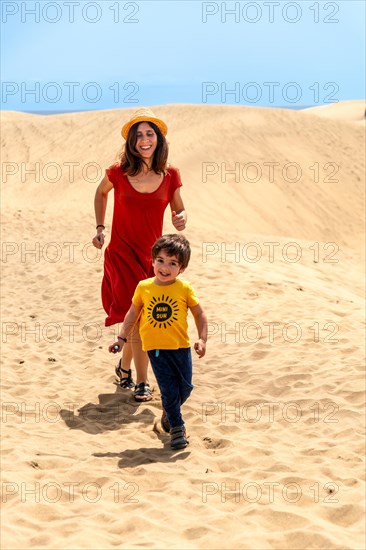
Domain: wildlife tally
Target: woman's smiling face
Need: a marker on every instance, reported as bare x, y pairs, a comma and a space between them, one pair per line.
147, 140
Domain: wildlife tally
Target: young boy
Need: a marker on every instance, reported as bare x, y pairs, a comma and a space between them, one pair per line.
163, 302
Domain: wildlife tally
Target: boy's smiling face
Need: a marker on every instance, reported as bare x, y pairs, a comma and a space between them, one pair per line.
166, 268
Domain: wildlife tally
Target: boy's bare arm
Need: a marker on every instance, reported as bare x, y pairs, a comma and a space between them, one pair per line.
131, 317
201, 324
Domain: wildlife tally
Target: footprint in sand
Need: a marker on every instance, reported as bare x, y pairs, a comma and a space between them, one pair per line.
211, 443
193, 533
259, 354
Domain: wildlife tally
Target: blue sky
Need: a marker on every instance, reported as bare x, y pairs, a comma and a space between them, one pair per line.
81, 55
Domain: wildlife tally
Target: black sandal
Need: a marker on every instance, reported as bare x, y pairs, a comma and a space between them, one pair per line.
142, 392
124, 381
178, 438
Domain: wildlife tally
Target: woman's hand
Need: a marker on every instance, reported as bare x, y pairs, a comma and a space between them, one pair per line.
178, 220
100, 205
115, 347
98, 240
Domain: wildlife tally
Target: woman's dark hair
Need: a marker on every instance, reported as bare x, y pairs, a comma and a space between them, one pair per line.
173, 245
131, 161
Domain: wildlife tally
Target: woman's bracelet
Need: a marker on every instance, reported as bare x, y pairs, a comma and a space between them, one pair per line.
100, 225
121, 338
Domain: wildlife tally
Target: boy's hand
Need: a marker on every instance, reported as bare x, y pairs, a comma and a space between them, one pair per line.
200, 348
115, 347
178, 221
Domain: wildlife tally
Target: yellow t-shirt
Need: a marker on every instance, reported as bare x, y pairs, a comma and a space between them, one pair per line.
163, 323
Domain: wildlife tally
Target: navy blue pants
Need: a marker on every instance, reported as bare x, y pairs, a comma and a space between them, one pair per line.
173, 373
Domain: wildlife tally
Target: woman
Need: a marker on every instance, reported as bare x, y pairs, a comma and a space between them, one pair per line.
144, 184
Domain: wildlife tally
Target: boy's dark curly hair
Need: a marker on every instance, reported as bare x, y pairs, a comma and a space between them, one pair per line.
173, 245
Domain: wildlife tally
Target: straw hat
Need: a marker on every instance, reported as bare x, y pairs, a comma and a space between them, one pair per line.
144, 115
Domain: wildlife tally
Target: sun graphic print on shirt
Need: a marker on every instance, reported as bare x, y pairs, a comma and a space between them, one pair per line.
162, 311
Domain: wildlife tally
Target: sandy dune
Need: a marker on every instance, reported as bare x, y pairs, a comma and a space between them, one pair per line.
275, 200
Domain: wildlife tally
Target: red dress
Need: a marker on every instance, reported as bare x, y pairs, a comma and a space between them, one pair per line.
137, 223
